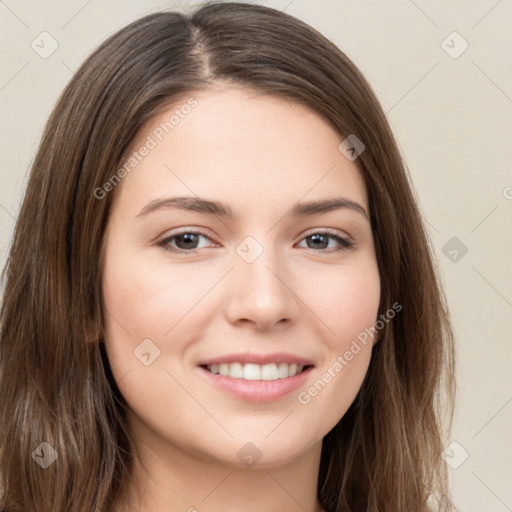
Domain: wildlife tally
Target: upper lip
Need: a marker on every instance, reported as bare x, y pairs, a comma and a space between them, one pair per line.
261, 359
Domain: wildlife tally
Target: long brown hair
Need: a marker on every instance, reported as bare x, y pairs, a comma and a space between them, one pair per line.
385, 454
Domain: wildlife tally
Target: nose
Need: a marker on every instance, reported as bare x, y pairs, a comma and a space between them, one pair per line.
261, 292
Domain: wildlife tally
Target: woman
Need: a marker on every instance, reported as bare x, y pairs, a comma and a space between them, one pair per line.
259, 371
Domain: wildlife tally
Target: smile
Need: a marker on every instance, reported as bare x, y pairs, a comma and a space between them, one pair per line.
251, 371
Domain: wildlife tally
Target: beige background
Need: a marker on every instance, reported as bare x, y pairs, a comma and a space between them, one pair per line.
452, 118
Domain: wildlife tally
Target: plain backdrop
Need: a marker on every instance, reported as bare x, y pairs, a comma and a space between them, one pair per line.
442, 72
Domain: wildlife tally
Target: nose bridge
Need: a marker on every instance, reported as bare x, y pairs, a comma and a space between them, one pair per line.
260, 291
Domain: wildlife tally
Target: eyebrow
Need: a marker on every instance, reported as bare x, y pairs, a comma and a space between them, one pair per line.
201, 205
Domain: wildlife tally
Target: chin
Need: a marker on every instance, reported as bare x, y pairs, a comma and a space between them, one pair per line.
261, 453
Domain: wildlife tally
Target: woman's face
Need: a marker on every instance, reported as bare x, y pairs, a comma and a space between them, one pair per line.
255, 291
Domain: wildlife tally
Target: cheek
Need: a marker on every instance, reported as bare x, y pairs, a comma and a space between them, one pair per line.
154, 308
348, 304
345, 300
146, 300
146, 315
142, 305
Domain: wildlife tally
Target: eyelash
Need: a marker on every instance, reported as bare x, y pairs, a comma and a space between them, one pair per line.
344, 242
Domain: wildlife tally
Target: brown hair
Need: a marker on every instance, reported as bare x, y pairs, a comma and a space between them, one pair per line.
55, 382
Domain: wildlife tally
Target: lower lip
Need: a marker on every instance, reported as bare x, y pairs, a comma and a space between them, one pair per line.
257, 390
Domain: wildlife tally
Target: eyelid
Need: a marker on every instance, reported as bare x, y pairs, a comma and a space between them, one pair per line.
329, 231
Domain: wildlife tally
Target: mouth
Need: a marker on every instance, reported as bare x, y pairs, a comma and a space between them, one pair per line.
253, 371
257, 378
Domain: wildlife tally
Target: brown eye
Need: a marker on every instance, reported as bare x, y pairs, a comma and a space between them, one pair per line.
185, 241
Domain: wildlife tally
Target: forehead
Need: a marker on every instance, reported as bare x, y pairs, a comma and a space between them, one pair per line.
242, 146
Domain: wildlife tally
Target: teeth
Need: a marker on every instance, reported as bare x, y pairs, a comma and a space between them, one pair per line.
251, 371
236, 370
282, 371
269, 372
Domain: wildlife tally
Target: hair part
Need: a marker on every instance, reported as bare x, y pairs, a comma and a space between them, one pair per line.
55, 380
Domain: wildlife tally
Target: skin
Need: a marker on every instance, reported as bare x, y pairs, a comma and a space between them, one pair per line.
260, 155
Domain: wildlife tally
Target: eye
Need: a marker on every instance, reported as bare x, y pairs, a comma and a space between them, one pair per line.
321, 238
186, 241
